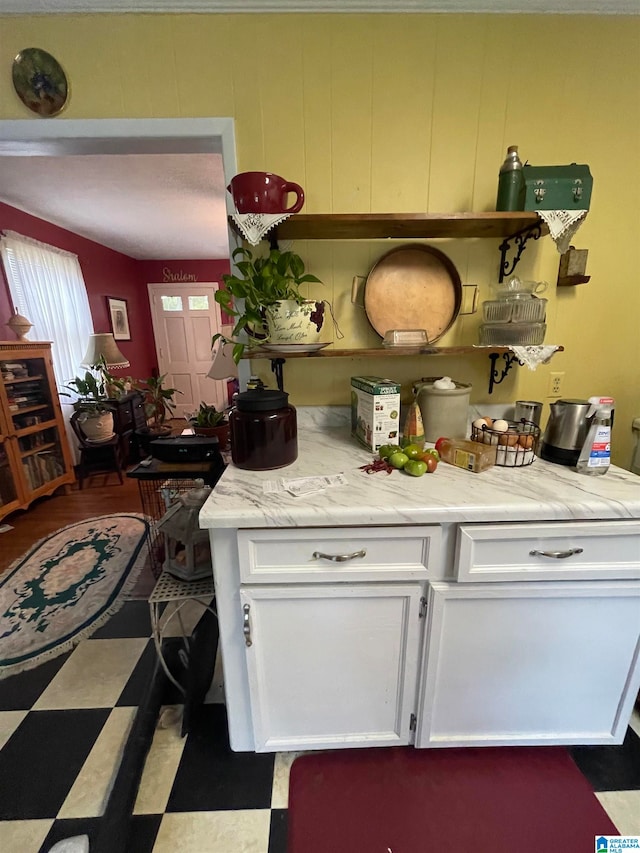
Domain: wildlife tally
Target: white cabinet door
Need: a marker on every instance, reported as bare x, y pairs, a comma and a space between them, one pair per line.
333, 665
535, 663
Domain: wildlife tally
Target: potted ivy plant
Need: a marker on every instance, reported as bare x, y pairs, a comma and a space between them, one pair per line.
207, 420
272, 309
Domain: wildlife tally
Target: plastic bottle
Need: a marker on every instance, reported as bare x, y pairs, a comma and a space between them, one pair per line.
511, 185
595, 456
470, 455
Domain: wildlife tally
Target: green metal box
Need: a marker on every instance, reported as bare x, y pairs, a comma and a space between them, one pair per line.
557, 187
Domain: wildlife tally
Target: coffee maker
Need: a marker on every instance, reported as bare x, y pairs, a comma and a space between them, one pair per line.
566, 431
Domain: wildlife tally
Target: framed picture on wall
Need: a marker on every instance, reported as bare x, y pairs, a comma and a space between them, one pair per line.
119, 318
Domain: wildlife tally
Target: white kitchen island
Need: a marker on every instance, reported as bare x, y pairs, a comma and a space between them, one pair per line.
454, 609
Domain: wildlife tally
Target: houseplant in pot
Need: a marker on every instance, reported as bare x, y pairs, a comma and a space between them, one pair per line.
273, 309
95, 418
159, 405
207, 420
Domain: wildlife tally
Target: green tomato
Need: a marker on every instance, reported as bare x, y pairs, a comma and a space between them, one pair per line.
386, 450
413, 451
398, 459
415, 467
430, 451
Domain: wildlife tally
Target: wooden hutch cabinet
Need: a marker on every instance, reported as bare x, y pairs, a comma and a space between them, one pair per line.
35, 459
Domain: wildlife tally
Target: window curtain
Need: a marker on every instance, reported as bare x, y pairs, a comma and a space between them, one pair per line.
47, 286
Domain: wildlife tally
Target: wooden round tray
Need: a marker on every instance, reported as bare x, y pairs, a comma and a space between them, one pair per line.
413, 287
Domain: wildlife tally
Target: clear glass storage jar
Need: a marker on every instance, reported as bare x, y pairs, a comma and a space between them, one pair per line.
264, 431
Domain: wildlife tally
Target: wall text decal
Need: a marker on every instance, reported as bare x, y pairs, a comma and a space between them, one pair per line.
179, 275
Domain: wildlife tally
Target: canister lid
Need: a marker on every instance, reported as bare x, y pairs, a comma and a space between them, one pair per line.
260, 400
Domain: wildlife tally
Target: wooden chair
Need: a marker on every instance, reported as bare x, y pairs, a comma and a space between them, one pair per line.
95, 457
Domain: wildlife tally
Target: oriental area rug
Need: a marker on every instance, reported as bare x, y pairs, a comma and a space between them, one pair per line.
66, 586
405, 800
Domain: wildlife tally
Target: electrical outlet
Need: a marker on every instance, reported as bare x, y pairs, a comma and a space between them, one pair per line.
556, 383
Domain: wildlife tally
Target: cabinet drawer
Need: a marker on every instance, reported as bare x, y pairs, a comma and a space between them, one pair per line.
296, 555
585, 549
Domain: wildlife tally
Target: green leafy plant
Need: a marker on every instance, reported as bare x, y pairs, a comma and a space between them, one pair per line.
89, 392
208, 416
260, 281
158, 400
113, 386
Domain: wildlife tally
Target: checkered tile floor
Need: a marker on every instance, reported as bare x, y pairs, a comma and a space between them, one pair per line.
63, 725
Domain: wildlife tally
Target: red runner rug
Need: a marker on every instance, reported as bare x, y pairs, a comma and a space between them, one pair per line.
404, 800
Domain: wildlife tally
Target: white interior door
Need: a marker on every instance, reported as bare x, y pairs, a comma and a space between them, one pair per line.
185, 317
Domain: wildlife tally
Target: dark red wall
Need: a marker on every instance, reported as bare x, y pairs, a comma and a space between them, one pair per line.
106, 273
185, 272
109, 273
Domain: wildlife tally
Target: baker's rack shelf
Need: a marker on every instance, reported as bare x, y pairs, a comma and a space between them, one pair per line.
494, 352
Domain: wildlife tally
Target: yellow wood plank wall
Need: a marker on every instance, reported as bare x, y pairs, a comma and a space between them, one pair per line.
401, 113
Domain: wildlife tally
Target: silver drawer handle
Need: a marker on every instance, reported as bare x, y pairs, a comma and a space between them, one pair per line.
339, 558
559, 555
246, 626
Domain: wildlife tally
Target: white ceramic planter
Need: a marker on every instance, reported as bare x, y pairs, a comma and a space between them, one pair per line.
291, 323
98, 428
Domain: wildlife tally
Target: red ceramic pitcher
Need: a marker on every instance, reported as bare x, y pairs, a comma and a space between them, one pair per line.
263, 192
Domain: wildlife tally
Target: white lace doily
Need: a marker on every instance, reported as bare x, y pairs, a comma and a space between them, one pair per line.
563, 224
533, 356
255, 225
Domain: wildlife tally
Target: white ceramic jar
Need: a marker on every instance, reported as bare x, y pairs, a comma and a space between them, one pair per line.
444, 410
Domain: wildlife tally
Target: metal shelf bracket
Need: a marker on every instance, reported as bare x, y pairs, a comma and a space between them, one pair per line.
496, 376
520, 239
277, 365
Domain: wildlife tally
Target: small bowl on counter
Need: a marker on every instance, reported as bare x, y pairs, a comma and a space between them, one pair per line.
516, 441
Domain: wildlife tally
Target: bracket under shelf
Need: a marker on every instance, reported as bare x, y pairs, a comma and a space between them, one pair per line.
520, 238
497, 373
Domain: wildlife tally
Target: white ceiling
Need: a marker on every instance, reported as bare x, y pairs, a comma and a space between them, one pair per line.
597, 7
148, 206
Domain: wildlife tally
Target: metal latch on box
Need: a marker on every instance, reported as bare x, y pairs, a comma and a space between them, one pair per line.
539, 191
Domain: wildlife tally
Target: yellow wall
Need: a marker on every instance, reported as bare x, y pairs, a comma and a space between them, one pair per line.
381, 113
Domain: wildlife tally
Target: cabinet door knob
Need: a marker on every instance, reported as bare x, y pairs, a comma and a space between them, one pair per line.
246, 626
559, 555
339, 558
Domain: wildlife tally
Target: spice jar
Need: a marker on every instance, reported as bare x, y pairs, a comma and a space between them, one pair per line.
264, 432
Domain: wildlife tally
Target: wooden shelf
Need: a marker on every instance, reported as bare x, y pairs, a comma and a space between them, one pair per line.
402, 226
39, 449
22, 379
36, 428
380, 352
496, 375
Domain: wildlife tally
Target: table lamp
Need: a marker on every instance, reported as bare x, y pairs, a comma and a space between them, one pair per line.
103, 346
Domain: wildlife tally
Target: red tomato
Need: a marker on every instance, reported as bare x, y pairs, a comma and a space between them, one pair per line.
432, 463
440, 442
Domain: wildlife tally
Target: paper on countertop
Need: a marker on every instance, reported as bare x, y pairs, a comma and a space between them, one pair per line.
301, 486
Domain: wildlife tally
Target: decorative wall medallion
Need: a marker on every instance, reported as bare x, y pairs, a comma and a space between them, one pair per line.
40, 82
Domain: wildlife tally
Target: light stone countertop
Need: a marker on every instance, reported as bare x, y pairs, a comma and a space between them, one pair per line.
541, 491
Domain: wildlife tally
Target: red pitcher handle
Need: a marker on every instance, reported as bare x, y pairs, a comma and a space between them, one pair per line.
290, 187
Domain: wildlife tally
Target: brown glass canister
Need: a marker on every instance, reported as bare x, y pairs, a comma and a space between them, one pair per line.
264, 431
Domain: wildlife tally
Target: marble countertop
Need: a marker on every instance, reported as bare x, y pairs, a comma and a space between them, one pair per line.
541, 491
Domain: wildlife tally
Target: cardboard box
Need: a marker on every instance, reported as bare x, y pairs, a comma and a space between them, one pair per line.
375, 411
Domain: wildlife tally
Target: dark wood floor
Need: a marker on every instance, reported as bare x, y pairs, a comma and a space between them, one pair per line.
101, 494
